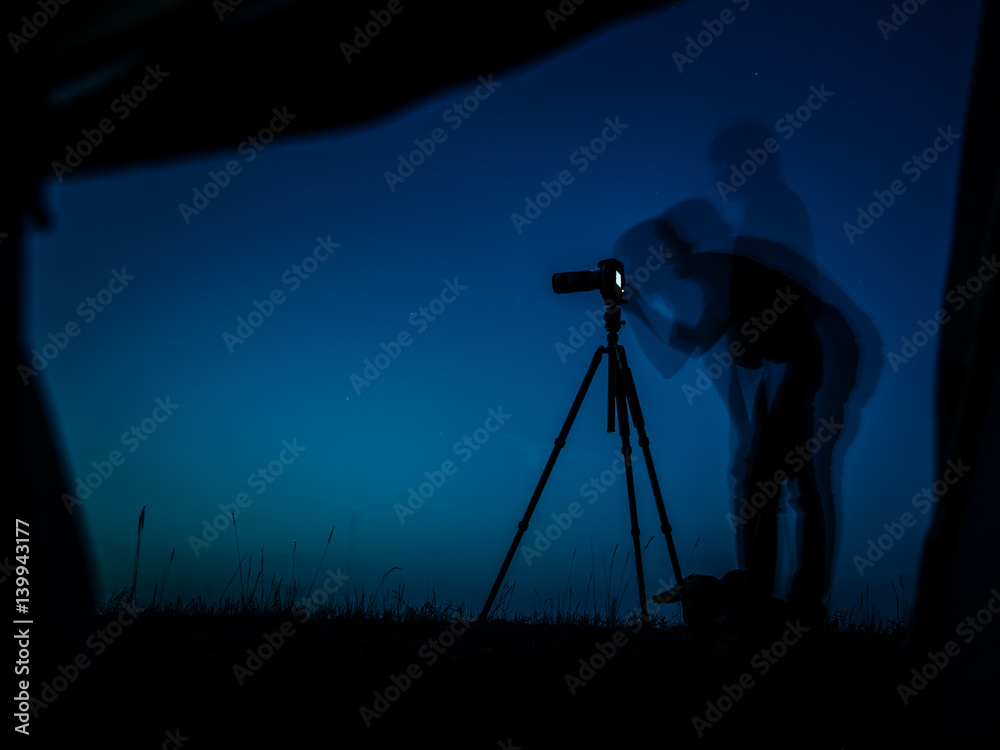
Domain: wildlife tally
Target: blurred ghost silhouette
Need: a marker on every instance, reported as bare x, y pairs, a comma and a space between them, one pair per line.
755, 314
748, 168
775, 229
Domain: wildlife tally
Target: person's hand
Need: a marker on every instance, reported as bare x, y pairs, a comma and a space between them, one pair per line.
656, 303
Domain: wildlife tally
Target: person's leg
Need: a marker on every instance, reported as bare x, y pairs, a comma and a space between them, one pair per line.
760, 544
760, 531
809, 583
740, 439
835, 426
793, 418
828, 483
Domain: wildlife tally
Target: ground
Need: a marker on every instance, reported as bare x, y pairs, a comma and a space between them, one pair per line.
181, 679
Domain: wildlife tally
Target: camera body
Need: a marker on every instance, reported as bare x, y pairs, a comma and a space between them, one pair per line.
609, 279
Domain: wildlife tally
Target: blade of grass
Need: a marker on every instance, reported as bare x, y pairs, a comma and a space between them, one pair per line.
323, 557
163, 586
135, 565
238, 557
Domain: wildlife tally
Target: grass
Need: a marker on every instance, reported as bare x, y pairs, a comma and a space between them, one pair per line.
505, 679
386, 604
867, 619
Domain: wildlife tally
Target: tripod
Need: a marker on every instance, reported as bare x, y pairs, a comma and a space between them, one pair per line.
621, 395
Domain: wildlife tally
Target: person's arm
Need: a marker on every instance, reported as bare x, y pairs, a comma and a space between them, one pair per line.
654, 341
684, 338
701, 338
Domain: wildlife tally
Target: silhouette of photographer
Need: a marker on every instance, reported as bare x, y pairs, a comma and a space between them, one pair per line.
748, 164
758, 315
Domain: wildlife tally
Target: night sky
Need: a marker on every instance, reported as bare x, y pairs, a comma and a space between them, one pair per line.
329, 323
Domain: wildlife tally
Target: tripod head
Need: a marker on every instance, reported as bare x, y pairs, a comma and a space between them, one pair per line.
613, 318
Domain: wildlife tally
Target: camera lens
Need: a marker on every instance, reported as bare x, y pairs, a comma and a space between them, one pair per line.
575, 281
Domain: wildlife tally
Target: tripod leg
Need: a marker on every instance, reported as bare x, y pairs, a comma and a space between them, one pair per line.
560, 442
640, 428
612, 386
623, 430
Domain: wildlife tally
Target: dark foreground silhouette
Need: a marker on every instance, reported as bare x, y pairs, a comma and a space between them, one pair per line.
262, 680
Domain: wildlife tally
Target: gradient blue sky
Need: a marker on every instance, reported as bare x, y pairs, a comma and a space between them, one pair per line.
494, 346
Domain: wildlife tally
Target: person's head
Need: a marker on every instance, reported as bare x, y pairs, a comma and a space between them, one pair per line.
739, 155
687, 227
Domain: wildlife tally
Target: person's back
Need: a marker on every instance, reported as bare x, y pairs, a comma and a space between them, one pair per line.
765, 315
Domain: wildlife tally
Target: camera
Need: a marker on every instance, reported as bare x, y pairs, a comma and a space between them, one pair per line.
609, 278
